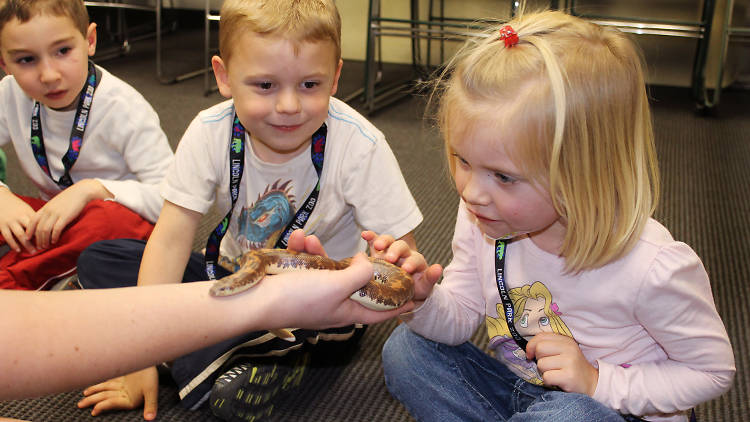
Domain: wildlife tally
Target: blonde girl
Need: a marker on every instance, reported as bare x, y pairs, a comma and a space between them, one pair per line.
548, 138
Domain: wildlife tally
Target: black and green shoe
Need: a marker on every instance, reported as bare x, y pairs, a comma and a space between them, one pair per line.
248, 392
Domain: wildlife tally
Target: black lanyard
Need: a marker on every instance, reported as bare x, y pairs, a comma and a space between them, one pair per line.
236, 167
500, 250
76, 134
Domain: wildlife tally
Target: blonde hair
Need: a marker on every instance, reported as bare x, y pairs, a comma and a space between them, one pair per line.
24, 10
572, 95
297, 20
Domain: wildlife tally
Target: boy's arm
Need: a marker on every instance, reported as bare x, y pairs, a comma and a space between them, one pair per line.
145, 150
168, 249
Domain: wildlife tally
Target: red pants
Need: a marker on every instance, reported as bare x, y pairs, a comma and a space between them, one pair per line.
99, 220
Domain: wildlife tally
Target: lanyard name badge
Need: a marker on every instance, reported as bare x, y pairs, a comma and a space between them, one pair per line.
76, 134
500, 251
237, 164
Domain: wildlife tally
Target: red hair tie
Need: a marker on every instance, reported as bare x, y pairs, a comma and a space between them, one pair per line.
509, 36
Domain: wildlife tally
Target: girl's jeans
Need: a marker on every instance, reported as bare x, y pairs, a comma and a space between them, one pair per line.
438, 382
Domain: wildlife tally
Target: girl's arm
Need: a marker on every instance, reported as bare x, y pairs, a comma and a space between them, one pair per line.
456, 307
58, 341
676, 307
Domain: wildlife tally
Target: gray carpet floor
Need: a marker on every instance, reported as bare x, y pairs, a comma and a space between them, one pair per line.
704, 163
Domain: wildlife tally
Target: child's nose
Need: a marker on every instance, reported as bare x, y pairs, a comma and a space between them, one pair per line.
48, 72
288, 102
472, 191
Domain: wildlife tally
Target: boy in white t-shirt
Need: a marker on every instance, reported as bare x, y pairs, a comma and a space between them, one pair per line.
90, 143
281, 154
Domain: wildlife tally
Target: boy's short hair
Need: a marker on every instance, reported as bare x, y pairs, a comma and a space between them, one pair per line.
296, 20
24, 10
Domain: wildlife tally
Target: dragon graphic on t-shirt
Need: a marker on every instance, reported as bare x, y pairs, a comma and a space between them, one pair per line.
261, 224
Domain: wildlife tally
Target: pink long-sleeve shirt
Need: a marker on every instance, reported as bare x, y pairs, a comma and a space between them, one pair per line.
647, 320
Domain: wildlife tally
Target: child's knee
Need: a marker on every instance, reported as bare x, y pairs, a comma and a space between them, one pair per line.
110, 263
398, 350
90, 256
562, 406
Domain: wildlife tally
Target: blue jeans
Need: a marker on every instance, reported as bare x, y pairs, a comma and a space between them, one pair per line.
438, 382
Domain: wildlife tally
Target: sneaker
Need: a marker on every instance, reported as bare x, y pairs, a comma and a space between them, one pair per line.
67, 283
248, 392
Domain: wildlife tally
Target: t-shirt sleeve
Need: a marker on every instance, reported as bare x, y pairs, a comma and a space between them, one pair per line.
676, 306
191, 180
375, 187
147, 155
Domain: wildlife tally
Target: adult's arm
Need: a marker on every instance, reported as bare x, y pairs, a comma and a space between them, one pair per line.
58, 341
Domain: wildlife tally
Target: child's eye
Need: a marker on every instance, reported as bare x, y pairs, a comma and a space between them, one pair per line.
25, 60
460, 159
310, 84
503, 178
264, 85
64, 50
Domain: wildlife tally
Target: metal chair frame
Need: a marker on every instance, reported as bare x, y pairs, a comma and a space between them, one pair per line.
729, 31
121, 31
700, 30
436, 27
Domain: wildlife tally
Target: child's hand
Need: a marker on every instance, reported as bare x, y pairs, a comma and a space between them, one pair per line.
321, 299
399, 252
126, 392
50, 221
324, 300
298, 242
562, 364
15, 218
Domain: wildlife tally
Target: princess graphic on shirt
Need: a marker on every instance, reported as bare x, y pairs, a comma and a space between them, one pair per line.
535, 312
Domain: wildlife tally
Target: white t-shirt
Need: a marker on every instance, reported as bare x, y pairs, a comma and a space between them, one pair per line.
123, 147
362, 187
647, 320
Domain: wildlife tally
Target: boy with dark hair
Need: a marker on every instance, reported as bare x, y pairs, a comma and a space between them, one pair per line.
89, 141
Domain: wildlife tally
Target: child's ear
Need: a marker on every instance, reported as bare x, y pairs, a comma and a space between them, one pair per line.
91, 38
2, 64
222, 77
336, 76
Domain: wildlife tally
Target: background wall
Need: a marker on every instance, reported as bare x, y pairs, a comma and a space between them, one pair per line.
669, 58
